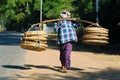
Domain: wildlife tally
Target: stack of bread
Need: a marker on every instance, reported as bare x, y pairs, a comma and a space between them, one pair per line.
34, 40
95, 35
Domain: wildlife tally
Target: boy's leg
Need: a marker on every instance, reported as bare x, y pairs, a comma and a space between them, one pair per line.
68, 55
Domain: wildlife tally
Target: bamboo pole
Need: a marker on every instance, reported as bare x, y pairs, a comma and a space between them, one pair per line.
72, 19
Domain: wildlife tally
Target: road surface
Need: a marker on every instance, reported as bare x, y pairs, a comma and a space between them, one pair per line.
12, 56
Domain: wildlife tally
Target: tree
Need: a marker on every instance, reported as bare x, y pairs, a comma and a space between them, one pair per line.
52, 8
13, 11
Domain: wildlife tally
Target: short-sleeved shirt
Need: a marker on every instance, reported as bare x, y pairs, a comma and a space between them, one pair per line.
66, 31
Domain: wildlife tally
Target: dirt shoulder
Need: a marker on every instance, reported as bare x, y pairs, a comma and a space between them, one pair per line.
84, 66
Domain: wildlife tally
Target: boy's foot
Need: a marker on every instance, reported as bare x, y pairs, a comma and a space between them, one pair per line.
64, 69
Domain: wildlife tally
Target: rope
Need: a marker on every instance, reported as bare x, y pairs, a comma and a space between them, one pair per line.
38, 41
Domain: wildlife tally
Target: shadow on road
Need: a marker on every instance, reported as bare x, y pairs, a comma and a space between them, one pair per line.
16, 67
107, 74
28, 66
55, 68
10, 38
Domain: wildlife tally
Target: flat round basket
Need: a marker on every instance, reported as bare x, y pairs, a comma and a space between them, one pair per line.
98, 34
35, 33
31, 42
96, 29
95, 36
34, 47
95, 42
35, 38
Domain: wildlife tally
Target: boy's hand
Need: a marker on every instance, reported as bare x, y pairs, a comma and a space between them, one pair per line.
74, 19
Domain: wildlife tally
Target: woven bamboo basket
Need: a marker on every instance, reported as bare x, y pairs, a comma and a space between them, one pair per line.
33, 47
95, 36
34, 40
96, 29
35, 33
31, 42
95, 42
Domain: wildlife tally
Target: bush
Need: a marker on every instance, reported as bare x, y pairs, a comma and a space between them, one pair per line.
2, 28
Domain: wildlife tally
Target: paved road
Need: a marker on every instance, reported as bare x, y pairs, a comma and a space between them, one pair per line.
12, 57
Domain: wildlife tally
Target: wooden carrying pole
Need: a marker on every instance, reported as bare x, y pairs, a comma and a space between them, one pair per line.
73, 19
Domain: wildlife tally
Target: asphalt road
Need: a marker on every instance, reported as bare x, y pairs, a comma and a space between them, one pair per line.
12, 56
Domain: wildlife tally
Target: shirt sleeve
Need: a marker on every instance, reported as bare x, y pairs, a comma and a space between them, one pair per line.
56, 27
74, 25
